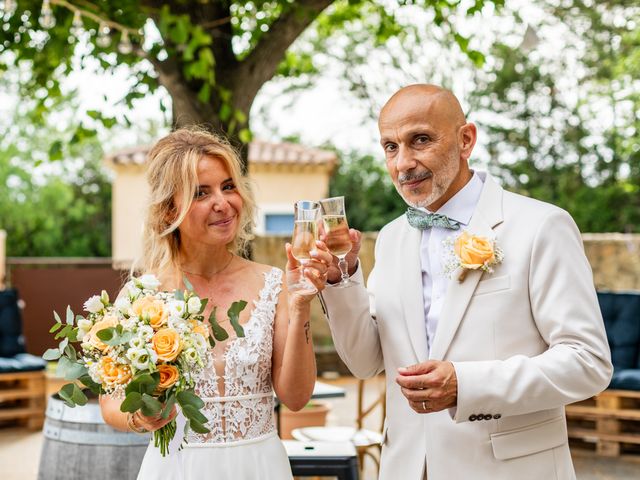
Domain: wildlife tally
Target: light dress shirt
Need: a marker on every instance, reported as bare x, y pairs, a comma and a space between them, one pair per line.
433, 252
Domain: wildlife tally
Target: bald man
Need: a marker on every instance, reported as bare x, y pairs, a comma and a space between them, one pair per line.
479, 362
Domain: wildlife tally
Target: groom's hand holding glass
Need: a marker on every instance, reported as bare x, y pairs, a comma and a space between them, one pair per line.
334, 274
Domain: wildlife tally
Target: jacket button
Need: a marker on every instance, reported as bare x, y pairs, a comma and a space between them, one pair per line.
497, 416
488, 417
473, 418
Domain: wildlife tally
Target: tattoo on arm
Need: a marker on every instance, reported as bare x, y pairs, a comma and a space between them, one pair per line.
307, 328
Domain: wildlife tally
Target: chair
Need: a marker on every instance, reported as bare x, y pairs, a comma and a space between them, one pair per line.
371, 399
22, 378
310, 459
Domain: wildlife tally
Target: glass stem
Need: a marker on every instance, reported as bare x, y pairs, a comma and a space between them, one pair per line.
344, 268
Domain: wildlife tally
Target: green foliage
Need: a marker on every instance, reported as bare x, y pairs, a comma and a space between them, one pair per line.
370, 197
212, 57
579, 153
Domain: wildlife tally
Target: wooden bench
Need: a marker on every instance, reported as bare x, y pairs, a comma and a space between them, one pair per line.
608, 424
23, 398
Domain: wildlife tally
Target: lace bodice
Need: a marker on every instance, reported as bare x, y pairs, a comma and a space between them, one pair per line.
243, 408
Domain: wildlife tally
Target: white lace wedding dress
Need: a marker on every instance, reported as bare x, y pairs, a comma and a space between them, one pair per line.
242, 443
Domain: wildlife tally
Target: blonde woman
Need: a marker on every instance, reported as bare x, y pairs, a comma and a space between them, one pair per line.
197, 223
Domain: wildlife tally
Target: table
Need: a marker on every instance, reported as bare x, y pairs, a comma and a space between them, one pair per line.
320, 390
322, 458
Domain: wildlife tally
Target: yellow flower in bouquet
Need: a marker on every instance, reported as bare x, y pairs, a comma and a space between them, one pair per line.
114, 373
152, 309
167, 344
149, 344
92, 336
169, 375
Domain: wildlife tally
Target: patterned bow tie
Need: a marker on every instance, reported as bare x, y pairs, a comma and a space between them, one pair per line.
421, 220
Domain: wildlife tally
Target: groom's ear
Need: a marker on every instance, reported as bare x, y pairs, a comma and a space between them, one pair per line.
467, 135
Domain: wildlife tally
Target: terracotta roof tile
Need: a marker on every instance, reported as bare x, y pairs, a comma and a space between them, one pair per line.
259, 152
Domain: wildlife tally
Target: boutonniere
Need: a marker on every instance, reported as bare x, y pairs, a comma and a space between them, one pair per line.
472, 252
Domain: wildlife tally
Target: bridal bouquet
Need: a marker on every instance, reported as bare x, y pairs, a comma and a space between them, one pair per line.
149, 346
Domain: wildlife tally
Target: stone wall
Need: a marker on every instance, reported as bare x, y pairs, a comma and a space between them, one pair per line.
614, 258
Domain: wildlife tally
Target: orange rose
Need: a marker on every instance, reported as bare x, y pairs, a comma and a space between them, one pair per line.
200, 327
114, 373
92, 336
168, 376
167, 344
474, 251
152, 309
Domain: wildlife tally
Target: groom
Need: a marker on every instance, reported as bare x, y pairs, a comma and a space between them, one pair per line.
479, 364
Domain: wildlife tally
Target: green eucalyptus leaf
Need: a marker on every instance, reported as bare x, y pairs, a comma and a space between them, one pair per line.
187, 397
131, 403
51, 354
234, 316
219, 333
70, 316
192, 413
187, 284
151, 406
57, 317
198, 427
168, 405
56, 326
106, 334
203, 305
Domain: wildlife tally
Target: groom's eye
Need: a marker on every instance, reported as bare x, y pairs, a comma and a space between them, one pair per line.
421, 139
389, 147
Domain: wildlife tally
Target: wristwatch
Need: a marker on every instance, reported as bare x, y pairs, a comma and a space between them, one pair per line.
132, 425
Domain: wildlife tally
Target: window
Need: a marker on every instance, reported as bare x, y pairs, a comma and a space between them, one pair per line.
278, 223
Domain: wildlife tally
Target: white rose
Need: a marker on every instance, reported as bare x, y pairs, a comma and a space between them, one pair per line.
94, 304
194, 304
176, 308
148, 282
122, 304
200, 343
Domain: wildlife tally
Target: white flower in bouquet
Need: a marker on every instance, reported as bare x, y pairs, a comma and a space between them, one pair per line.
146, 332
94, 304
137, 342
132, 289
179, 324
200, 344
122, 304
147, 282
177, 308
193, 305
84, 326
191, 356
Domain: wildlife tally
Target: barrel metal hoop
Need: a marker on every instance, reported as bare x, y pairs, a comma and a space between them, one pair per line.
58, 410
84, 437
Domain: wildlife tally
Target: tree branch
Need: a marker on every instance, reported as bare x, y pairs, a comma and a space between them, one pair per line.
261, 64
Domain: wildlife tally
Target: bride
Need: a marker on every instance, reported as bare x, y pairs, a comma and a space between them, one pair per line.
197, 223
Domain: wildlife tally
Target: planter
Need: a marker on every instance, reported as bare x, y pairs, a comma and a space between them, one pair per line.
312, 415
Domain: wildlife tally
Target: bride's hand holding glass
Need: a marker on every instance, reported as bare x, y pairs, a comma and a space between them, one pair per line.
314, 270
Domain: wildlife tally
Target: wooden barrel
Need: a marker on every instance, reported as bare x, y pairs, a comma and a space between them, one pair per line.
78, 445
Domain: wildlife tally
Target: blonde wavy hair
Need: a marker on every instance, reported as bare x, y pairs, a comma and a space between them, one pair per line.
171, 169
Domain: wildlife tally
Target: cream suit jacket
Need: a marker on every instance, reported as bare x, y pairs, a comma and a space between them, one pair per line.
525, 340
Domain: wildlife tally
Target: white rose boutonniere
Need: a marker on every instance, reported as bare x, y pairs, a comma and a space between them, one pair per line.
472, 252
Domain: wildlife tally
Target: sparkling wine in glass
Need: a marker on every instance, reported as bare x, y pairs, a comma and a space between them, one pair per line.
305, 234
334, 221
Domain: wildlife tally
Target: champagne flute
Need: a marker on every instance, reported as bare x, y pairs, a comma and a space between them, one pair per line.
305, 234
338, 241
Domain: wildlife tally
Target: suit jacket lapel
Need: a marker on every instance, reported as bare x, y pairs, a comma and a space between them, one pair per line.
488, 214
409, 281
